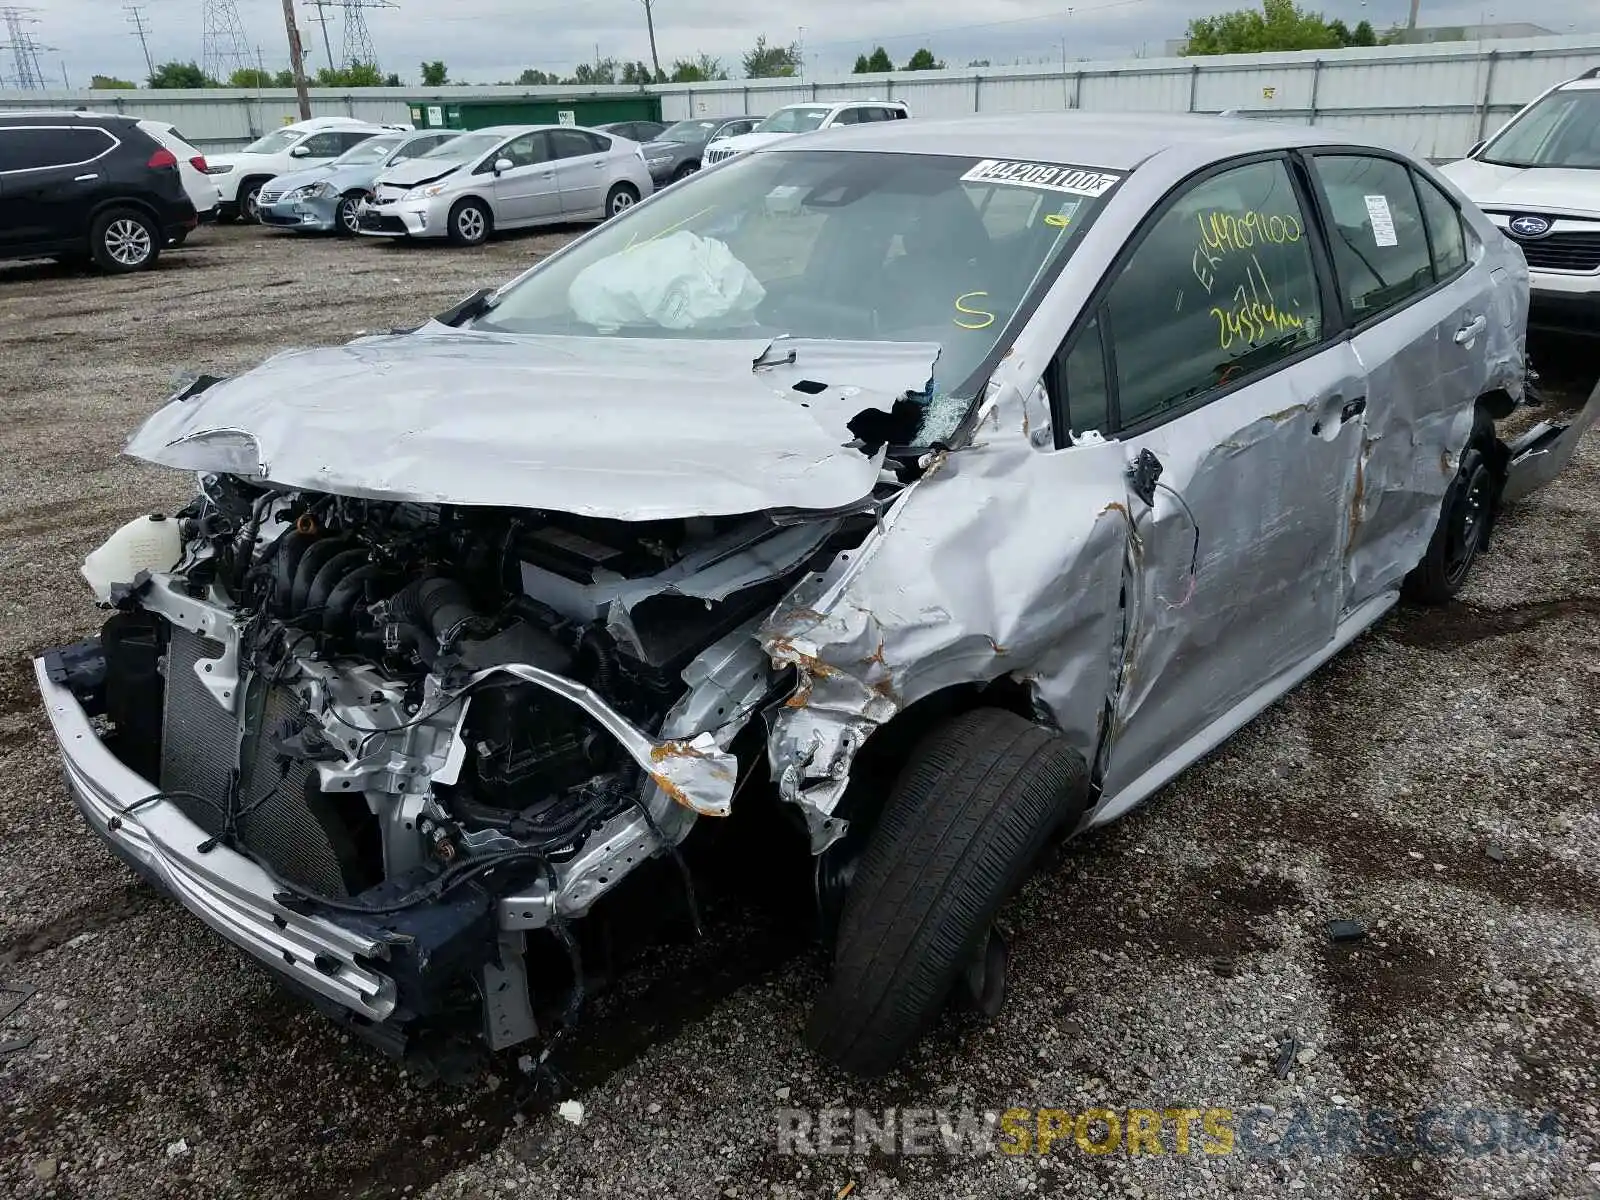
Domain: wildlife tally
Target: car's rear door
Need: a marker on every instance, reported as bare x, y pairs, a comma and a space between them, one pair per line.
50, 179
1214, 349
528, 191
581, 170
1422, 302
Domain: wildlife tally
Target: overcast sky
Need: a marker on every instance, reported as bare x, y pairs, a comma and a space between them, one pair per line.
484, 41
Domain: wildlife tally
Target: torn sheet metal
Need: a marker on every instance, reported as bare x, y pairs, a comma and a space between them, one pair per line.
695, 772
1002, 560
630, 429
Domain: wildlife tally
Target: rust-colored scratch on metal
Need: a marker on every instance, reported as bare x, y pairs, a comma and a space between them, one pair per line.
675, 750
1358, 499
796, 616
1115, 506
1446, 466
679, 796
995, 646
1278, 418
784, 650
1024, 420
876, 657
802, 694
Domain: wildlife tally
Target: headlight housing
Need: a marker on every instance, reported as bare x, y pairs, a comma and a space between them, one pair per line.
425, 193
313, 191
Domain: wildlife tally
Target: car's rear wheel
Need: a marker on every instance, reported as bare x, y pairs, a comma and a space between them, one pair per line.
977, 802
470, 223
621, 198
124, 240
1464, 522
347, 220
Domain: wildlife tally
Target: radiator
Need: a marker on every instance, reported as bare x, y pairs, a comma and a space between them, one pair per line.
284, 820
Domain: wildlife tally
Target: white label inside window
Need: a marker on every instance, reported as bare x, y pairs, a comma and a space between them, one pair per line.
1382, 221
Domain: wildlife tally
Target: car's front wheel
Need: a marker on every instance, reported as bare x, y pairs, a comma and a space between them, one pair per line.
347, 220
470, 223
977, 802
686, 170
620, 199
1465, 519
124, 240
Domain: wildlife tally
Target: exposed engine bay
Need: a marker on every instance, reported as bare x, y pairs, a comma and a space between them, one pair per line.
391, 704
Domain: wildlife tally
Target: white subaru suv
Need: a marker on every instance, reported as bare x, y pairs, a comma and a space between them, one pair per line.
806, 118
239, 177
1538, 179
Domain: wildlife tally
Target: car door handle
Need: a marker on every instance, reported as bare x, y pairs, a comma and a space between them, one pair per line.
1349, 410
1471, 330
1352, 409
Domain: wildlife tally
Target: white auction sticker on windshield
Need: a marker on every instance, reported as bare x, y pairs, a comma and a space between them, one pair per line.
1048, 177
1382, 220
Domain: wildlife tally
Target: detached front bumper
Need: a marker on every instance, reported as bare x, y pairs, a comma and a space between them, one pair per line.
403, 218
315, 215
223, 888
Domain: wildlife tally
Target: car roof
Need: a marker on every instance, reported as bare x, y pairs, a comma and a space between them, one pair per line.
1120, 141
1588, 81
45, 115
511, 130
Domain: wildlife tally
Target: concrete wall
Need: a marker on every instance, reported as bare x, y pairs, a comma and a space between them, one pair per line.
1435, 100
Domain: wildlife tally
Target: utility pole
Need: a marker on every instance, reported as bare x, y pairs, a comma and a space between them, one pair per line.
1411, 22
136, 19
297, 60
650, 24
322, 18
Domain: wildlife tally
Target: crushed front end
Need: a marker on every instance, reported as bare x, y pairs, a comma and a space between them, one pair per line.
381, 745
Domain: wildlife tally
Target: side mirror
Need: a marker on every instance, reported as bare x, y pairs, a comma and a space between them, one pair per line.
503, 164
1476, 147
300, 151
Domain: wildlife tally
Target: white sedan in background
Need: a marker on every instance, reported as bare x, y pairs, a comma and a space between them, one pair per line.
508, 177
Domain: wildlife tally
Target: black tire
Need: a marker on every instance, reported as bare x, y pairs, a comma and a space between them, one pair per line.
248, 191
467, 229
684, 171
124, 240
620, 199
1464, 522
345, 221
977, 801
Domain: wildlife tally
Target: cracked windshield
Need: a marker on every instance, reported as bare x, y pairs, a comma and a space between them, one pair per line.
822, 244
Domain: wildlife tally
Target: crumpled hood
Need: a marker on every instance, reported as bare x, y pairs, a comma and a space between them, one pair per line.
1543, 189
630, 429
419, 171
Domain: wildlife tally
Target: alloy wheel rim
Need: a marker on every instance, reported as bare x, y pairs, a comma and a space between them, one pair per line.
621, 202
128, 242
347, 214
471, 224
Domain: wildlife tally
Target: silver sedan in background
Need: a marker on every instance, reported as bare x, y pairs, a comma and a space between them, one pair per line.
507, 177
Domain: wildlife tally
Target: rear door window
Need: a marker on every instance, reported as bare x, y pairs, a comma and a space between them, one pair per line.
35, 148
1375, 227
575, 143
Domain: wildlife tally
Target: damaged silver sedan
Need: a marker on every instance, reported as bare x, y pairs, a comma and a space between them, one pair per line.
945, 487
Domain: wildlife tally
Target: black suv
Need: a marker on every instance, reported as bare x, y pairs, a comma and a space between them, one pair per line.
87, 185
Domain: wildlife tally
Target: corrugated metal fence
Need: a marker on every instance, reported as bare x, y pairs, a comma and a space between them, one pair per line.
1436, 100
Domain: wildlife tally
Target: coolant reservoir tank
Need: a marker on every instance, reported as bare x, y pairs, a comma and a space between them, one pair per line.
144, 544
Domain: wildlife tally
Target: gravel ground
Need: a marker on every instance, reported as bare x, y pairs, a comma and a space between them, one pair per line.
1437, 782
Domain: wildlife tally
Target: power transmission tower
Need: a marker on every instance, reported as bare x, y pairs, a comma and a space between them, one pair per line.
140, 31
357, 37
24, 50
224, 48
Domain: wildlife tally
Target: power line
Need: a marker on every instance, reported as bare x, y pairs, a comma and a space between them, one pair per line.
322, 18
136, 19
